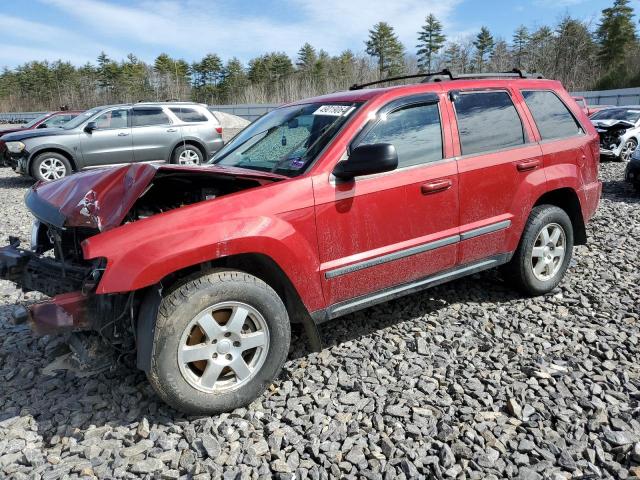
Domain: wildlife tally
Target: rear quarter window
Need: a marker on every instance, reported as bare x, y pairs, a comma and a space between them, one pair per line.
552, 117
189, 114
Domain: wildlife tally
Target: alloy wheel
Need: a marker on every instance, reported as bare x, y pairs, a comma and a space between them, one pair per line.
548, 252
627, 150
189, 157
223, 347
52, 169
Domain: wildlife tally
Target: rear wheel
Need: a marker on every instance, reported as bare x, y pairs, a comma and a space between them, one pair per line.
220, 340
187, 155
544, 253
50, 166
627, 150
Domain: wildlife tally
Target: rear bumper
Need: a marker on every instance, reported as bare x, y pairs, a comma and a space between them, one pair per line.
214, 146
589, 199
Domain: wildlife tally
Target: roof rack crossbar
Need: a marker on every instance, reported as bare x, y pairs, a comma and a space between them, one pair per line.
445, 72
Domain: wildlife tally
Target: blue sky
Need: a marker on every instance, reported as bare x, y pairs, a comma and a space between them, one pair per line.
77, 30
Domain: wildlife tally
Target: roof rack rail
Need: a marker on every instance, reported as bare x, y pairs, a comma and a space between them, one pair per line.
446, 74
359, 86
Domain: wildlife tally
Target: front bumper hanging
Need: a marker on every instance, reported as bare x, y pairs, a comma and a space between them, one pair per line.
67, 310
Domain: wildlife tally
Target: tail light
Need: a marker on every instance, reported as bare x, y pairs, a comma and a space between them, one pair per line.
219, 130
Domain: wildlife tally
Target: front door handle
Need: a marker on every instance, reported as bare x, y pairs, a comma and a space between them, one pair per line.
172, 130
436, 186
526, 165
123, 134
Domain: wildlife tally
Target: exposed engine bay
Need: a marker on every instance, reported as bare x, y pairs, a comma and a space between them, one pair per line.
611, 135
172, 190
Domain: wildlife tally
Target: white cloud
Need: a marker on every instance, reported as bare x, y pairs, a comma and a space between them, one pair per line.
192, 28
26, 40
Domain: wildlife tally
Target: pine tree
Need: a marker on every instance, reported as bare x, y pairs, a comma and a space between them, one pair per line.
384, 45
616, 33
307, 58
484, 46
520, 41
430, 42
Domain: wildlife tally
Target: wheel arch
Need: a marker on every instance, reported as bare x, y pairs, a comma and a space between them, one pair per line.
60, 151
189, 141
256, 264
567, 199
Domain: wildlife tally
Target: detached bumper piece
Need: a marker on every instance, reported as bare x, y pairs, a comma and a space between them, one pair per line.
67, 310
63, 313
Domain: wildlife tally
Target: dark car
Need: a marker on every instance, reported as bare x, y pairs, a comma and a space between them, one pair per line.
632, 172
318, 209
46, 120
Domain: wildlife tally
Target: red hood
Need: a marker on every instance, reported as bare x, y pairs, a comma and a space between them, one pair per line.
102, 198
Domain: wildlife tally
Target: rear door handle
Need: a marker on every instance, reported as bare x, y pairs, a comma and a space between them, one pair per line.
123, 134
172, 129
526, 165
435, 187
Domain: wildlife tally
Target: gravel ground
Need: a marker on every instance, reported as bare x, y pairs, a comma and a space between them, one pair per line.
467, 380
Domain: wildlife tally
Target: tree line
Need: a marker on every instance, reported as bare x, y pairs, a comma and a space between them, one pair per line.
581, 55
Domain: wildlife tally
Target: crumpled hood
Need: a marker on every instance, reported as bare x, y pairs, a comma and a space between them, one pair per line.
611, 123
102, 198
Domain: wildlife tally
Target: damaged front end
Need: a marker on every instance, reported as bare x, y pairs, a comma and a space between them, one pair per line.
69, 212
611, 136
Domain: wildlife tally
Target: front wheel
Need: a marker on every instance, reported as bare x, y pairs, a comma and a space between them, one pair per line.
544, 253
627, 150
220, 340
50, 166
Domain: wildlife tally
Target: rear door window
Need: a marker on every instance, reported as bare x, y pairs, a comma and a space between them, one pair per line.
487, 121
552, 117
189, 114
145, 117
415, 131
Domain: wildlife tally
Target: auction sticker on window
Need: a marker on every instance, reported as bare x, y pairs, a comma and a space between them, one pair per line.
334, 110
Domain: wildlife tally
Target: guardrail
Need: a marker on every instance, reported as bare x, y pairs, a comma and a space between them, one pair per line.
19, 117
621, 96
249, 111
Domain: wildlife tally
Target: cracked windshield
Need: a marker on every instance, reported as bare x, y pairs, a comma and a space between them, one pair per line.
286, 140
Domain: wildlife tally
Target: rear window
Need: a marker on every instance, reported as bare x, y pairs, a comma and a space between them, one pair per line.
189, 114
487, 121
144, 117
552, 117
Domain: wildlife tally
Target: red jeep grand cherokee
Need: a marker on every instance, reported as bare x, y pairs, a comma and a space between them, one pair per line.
319, 208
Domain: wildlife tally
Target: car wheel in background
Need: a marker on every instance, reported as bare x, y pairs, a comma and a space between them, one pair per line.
627, 150
187, 155
544, 253
220, 340
50, 166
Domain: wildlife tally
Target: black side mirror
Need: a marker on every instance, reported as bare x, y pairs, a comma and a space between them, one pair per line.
367, 160
90, 127
42, 125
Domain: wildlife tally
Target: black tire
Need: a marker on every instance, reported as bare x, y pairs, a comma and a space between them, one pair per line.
520, 270
186, 148
181, 305
56, 161
629, 146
